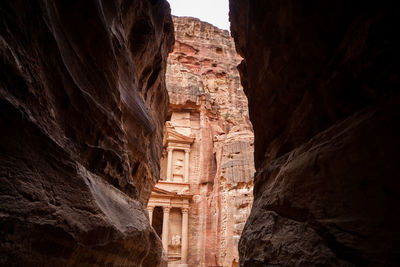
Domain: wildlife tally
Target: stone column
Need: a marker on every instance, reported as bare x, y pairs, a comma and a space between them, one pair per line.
186, 177
169, 165
165, 229
150, 211
185, 243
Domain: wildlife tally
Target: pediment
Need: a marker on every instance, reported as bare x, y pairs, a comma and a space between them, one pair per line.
175, 136
163, 192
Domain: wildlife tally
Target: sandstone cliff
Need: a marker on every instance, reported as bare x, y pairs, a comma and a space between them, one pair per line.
207, 100
322, 80
83, 105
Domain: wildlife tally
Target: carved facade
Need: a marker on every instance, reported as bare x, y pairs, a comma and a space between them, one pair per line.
198, 217
173, 195
204, 194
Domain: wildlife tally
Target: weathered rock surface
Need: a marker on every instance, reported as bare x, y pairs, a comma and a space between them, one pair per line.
207, 101
204, 62
322, 80
83, 105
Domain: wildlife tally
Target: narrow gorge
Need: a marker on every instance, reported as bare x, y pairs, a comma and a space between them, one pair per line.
130, 137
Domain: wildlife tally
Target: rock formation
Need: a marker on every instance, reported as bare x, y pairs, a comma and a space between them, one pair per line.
209, 121
83, 106
322, 79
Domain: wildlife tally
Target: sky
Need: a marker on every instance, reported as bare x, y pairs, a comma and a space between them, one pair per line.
212, 11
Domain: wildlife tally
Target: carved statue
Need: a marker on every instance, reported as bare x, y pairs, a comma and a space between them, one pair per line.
175, 240
178, 166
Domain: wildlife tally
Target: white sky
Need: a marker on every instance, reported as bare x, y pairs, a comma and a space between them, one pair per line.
212, 11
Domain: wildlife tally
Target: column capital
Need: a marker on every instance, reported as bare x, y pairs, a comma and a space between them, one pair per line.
187, 150
150, 212
184, 210
150, 207
169, 148
166, 209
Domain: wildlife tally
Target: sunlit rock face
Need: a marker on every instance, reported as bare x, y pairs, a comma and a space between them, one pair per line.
322, 80
207, 103
83, 105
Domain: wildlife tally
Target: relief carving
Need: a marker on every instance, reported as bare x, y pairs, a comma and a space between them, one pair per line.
178, 167
175, 241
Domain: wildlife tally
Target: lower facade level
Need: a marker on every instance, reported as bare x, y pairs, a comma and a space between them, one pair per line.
168, 213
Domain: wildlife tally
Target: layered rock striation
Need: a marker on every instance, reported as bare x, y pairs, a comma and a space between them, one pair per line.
322, 79
207, 103
83, 105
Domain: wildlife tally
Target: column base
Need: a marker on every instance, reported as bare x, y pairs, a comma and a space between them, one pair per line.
183, 265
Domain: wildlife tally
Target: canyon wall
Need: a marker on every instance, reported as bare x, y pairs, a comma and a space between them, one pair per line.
83, 106
207, 102
322, 79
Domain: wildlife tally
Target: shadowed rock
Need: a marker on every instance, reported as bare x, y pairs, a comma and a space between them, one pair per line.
83, 103
322, 79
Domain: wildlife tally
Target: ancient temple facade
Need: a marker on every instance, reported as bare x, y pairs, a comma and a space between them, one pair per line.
172, 194
204, 195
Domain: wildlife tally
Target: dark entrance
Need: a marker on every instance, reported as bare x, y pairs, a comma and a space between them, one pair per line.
158, 220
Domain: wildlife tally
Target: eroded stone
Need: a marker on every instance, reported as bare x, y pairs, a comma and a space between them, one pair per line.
322, 82
83, 105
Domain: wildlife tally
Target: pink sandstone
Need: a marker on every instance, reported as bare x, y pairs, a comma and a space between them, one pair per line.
208, 106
